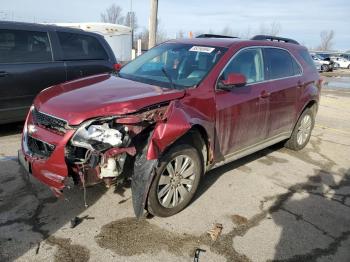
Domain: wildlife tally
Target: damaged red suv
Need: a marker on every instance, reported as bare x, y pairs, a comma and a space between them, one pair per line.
174, 113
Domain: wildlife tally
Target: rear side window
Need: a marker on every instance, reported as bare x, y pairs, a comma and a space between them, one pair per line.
307, 58
19, 46
296, 67
280, 64
81, 47
248, 62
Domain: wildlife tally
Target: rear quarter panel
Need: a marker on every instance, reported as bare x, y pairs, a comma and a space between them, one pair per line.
310, 88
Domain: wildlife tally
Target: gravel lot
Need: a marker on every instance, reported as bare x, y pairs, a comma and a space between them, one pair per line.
273, 205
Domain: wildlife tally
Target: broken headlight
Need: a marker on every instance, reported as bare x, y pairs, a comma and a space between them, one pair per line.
98, 135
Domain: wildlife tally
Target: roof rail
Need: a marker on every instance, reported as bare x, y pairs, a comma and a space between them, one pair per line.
274, 38
214, 36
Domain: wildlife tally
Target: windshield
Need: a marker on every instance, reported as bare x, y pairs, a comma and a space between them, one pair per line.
173, 65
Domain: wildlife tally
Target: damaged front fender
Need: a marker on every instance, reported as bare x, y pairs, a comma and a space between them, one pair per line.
175, 124
167, 132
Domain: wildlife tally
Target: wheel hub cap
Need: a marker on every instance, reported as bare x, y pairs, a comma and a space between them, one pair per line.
304, 130
175, 182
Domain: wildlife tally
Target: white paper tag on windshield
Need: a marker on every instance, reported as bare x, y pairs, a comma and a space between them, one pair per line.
203, 49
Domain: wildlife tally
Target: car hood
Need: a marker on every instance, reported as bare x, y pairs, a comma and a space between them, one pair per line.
100, 95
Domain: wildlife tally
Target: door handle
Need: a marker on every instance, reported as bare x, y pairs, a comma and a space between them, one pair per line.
3, 74
264, 94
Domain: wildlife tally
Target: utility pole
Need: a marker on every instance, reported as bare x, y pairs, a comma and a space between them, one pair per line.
153, 24
131, 22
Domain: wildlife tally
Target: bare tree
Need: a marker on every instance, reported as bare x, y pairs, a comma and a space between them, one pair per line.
143, 35
113, 14
161, 33
131, 20
326, 40
273, 29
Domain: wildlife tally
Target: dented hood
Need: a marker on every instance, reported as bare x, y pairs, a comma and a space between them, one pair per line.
100, 95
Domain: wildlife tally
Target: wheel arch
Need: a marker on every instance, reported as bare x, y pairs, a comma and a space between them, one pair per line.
197, 137
312, 104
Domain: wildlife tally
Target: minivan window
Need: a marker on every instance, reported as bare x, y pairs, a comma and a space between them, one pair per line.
19, 46
280, 64
80, 47
248, 62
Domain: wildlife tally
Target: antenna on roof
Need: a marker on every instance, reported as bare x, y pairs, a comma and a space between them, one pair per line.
274, 38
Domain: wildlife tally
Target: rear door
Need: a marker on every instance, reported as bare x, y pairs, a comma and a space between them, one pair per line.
241, 113
283, 73
83, 55
26, 68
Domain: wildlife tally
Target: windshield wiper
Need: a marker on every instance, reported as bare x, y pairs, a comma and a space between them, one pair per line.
169, 77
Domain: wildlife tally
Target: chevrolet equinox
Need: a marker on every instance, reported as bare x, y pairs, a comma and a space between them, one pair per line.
179, 110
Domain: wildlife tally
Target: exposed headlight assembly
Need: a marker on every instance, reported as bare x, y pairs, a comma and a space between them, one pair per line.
96, 135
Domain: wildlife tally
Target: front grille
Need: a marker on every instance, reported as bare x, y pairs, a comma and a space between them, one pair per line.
39, 148
48, 121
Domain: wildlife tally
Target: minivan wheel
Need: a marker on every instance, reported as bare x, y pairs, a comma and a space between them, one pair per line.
324, 68
176, 181
302, 131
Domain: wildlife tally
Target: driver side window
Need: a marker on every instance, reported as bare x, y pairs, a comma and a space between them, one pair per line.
248, 62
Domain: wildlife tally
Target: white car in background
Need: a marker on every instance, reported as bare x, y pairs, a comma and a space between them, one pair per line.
346, 56
321, 65
343, 62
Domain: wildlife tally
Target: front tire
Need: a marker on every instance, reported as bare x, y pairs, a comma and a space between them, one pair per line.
176, 181
302, 131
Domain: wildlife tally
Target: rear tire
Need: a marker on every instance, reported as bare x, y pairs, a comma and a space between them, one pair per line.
176, 181
302, 131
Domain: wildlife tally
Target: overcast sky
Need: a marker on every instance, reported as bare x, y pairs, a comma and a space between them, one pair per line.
299, 19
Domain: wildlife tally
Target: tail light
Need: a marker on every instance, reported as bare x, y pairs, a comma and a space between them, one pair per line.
117, 67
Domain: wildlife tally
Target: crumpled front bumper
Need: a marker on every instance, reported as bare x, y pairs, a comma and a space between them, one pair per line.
51, 170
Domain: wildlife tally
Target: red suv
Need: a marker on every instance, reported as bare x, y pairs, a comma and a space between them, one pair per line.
174, 113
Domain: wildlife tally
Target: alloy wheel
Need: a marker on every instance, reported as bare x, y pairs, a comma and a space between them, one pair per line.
176, 181
304, 130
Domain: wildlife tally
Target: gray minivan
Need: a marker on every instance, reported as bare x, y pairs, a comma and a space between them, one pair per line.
34, 57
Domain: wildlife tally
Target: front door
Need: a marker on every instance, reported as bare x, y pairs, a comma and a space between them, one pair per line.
242, 113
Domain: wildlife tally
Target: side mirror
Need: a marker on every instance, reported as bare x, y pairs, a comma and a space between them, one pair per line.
233, 80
